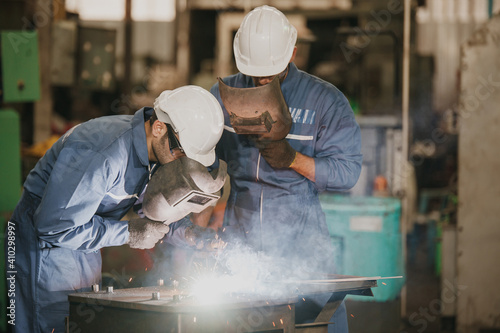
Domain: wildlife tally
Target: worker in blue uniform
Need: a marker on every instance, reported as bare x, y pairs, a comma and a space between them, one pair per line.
76, 195
273, 203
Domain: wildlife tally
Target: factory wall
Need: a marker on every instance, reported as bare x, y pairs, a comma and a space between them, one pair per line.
478, 229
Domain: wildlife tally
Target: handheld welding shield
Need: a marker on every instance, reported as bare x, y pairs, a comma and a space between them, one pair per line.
258, 111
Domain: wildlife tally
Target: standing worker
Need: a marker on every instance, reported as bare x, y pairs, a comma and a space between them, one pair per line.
278, 171
75, 197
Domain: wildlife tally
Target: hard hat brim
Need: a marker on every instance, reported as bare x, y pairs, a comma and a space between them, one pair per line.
261, 71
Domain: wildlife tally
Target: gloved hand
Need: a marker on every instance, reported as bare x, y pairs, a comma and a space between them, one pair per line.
203, 238
145, 233
278, 154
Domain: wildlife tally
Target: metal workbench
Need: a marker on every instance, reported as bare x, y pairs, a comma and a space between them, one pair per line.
167, 309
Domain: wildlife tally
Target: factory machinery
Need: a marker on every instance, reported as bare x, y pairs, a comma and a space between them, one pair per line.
172, 308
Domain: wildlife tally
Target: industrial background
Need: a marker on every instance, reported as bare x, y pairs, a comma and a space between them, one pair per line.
423, 78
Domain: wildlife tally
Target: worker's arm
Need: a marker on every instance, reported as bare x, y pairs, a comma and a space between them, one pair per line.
66, 216
335, 161
337, 150
305, 166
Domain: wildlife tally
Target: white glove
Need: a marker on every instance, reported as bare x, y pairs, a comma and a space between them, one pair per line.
145, 233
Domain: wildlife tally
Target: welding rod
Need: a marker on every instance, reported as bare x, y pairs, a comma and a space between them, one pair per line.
350, 279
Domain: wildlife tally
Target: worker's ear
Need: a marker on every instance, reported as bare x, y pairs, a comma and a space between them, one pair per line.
159, 129
293, 54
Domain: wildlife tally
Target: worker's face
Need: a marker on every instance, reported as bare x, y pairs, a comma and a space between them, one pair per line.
263, 80
160, 145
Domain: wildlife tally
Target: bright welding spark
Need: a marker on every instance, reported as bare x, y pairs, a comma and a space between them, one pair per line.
194, 319
274, 324
129, 279
385, 284
233, 272
289, 307
352, 315
281, 321
211, 288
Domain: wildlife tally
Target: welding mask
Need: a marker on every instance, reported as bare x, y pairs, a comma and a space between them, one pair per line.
181, 187
260, 111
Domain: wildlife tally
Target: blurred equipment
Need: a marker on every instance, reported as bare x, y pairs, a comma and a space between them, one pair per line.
96, 49
366, 66
20, 81
63, 66
381, 139
39, 149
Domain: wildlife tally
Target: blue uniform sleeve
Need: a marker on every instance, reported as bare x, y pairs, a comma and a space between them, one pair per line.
337, 150
66, 215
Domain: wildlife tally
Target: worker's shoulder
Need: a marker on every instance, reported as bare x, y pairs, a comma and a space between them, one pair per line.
99, 134
310, 88
317, 84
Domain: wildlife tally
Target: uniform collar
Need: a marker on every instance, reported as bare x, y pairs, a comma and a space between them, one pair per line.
290, 78
139, 134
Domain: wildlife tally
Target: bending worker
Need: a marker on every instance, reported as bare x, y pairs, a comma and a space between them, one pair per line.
75, 197
279, 163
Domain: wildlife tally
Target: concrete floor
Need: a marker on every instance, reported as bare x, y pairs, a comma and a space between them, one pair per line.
422, 288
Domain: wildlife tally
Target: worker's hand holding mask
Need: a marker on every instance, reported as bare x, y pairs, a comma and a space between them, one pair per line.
145, 233
203, 238
262, 114
278, 154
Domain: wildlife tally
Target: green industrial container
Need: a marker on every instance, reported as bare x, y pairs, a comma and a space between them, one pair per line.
10, 187
20, 66
365, 231
10, 161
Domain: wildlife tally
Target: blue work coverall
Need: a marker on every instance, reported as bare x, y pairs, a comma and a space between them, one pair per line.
277, 211
70, 208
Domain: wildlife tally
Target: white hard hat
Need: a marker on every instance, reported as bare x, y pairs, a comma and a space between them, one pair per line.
196, 115
264, 43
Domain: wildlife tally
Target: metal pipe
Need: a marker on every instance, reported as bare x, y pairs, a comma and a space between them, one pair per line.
405, 135
127, 57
